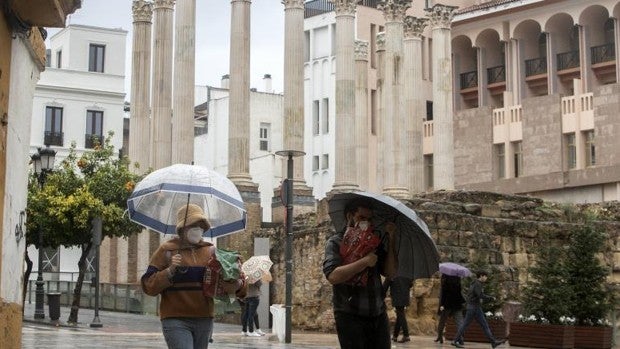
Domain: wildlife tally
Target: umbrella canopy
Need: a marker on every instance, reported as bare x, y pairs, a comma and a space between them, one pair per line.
256, 268
453, 269
417, 253
156, 199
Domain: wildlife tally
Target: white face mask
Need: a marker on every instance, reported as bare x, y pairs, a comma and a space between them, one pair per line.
364, 225
194, 235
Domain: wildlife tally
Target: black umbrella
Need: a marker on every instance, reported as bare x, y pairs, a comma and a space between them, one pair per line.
417, 253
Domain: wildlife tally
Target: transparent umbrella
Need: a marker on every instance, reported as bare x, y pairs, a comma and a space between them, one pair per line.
157, 198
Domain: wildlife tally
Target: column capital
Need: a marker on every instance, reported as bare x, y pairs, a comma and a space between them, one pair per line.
361, 50
414, 26
345, 7
169, 4
142, 11
293, 4
381, 41
441, 15
394, 10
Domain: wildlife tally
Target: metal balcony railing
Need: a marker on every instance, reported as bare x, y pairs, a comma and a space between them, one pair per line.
496, 74
535, 66
469, 79
53, 138
91, 140
568, 60
603, 53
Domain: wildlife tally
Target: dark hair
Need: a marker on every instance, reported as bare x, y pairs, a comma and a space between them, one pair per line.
480, 273
354, 204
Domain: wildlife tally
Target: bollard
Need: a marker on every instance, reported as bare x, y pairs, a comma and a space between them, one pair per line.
53, 301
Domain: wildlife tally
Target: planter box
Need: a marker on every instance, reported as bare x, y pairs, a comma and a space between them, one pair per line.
541, 335
593, 337
474, 332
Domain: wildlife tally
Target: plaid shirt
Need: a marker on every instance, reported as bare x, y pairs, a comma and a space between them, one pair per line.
356, 300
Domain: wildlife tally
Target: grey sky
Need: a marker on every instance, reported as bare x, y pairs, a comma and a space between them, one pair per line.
212, 36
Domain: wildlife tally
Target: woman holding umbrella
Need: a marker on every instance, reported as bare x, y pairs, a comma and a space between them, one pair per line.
176, 272
450, 303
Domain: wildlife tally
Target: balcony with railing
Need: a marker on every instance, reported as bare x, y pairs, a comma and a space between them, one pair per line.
568, 65
469, 88
53, 138
92, 140
496, 79
603, 60
536, 75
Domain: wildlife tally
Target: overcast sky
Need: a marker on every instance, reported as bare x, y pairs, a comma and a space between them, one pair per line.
212, 36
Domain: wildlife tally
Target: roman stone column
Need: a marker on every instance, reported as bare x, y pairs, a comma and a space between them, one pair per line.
395, 179
346, 177
139, 137
414, 105
183, 92
362, 133
161, 103
443, 141
239, 100
294, 84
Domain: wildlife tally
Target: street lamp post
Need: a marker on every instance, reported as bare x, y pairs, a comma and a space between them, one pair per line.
288, 253
43, 162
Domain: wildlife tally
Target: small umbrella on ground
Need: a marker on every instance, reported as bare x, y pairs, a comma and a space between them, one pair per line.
156, 199
454, 269
257, 268
417, 253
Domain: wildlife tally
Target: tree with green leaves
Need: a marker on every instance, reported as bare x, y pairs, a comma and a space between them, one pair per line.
96, 184
591, 301
547, 294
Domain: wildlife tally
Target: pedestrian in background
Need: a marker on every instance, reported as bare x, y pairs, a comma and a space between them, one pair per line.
175, 272
475, 297
399, 288
243, 306
251, 300
450, 303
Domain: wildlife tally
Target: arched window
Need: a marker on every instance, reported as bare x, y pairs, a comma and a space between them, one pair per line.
608, 29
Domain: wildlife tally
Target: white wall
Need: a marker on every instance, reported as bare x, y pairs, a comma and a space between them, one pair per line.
25, 74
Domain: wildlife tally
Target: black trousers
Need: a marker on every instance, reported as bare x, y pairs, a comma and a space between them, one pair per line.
361, 332
401, 322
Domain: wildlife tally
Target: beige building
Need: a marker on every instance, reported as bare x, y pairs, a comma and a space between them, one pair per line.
534, 96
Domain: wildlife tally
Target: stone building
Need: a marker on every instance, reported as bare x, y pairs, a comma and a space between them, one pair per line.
22, 59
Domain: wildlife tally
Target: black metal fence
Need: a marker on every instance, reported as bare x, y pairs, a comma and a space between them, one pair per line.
536, 66
568, 60
91, 140
469, 79
603, 53
53, 138
496, 74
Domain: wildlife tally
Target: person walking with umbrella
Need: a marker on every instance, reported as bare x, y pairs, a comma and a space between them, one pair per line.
358, 298
450, 303
175, 272
399, 292
475, 297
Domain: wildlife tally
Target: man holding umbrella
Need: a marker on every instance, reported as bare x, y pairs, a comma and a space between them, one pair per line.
358, 298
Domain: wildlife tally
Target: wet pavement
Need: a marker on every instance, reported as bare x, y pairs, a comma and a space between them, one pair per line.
122, 330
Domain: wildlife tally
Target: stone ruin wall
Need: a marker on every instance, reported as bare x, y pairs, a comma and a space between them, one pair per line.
503, 229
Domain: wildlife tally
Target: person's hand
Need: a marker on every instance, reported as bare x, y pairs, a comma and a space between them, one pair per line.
370, 259
230, 286
175, 262
441, 308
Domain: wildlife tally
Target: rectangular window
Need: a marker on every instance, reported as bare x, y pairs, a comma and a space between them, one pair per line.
428, 171
333, 40
429, 110
264, 136
53, 126
571, 151
325, 115
306, 46
500, 157
94, 129
59, 59
315, 163
325, 162
517, 148
48, 58
374, 103
590, 148
96, 58
316, 121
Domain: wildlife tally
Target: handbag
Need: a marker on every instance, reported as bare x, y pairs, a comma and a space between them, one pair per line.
224, 265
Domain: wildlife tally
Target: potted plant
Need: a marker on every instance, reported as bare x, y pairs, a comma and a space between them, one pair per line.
546, 301
591, 300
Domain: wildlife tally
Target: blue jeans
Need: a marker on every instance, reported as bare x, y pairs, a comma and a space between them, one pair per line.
251, 303
187, 333
471, 314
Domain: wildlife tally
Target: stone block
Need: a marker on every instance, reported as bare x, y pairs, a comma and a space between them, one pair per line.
491, 211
